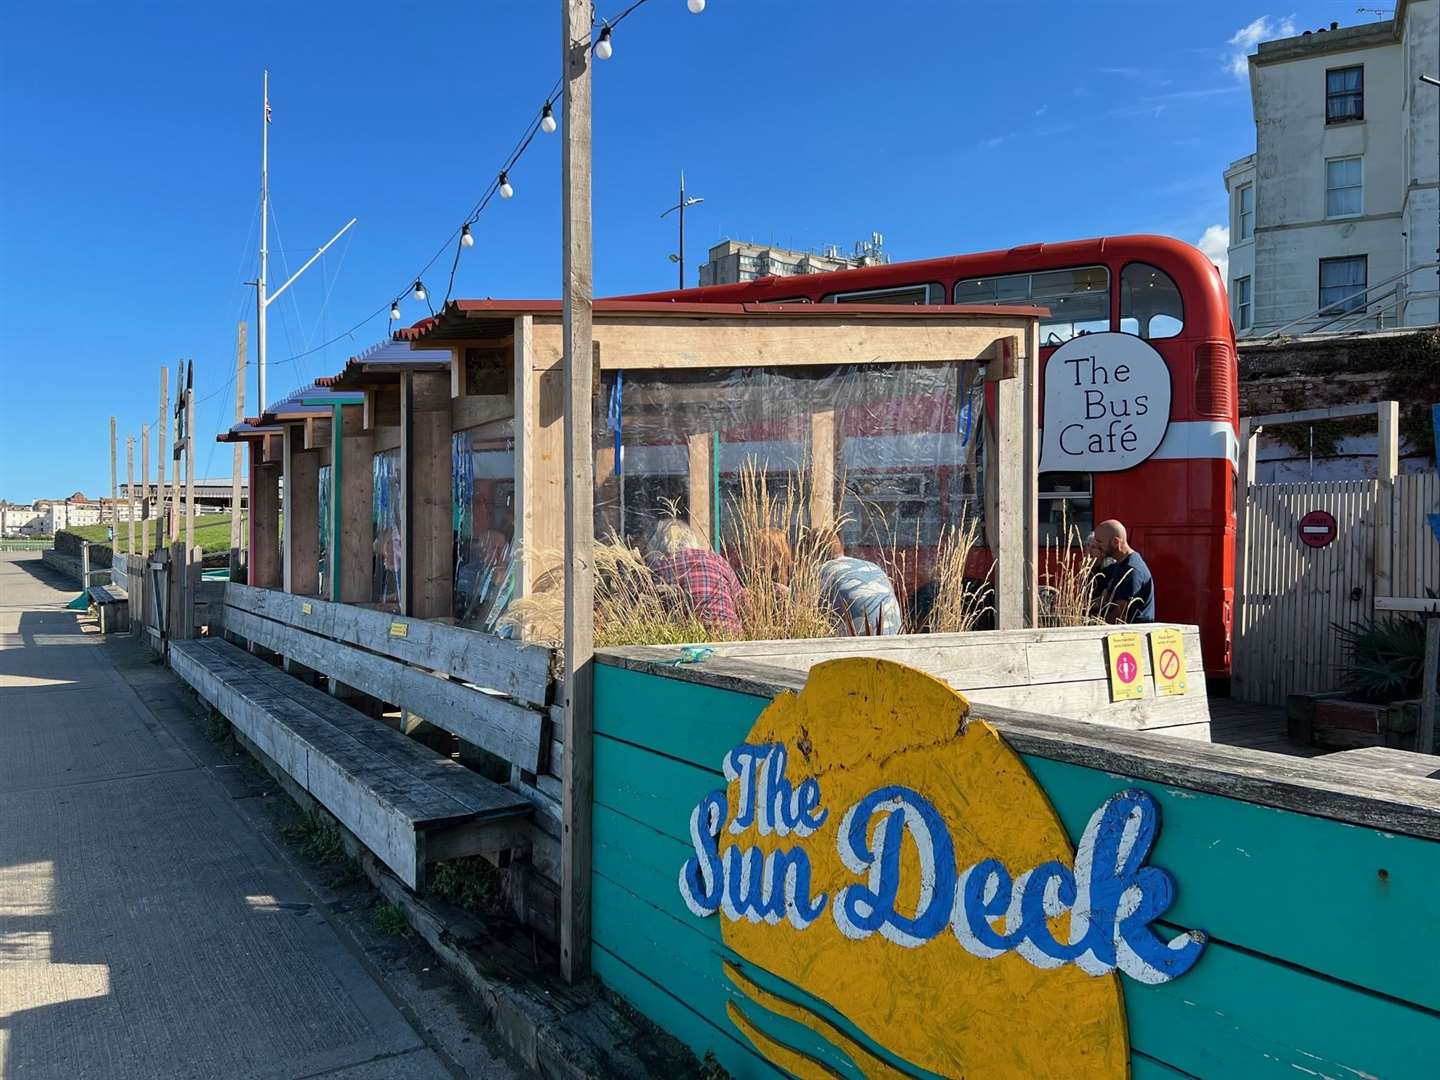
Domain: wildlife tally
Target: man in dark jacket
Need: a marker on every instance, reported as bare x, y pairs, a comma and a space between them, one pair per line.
1128, 588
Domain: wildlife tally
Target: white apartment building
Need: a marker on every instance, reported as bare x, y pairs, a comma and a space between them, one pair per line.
1339, 199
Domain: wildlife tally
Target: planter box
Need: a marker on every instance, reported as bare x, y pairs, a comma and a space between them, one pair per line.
1332, 721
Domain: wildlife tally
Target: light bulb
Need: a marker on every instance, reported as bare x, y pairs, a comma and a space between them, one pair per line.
695, 6
547, 119
419, 290
465, 237
603, 49
395, 311
505, 189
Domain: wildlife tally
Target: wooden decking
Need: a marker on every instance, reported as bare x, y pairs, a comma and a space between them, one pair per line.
1255, 727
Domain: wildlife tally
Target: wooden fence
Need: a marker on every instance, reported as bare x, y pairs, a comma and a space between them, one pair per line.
1382, 559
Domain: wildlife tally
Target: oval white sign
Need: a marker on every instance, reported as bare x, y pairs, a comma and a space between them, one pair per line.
1107, 404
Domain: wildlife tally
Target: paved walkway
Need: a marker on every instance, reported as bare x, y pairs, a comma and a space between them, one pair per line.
146, 928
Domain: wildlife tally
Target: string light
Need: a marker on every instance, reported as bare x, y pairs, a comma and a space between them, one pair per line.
604, 49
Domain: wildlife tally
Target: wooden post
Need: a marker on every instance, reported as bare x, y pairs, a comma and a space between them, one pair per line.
175, 457
129, 495
237, 457
114, 492
265, 518
1249, 442
1429, 692
355, 538
822, 469
144, 488
425, 453
701, 512
1029, 368
525, 470
1010, 535
1387, 416
302, 520
579, 497
162, 450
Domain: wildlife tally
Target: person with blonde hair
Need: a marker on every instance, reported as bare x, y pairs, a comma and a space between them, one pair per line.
678, 557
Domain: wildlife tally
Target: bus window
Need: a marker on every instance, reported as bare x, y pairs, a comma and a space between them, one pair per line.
933, 293
1150, 304
1066, 508
1078, 299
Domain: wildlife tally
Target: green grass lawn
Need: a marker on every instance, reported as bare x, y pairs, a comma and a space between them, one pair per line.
212, 533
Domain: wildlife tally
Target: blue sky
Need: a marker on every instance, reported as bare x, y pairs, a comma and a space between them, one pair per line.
129, 164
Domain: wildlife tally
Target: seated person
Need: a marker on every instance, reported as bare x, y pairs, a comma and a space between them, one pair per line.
1129, 595
772, 551
860, 594
679, 557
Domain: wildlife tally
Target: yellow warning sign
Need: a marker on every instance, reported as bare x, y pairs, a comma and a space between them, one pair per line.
307, 608
1127, 679
1167, 660
399, 629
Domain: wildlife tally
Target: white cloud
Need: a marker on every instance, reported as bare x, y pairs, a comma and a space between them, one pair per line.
1214, 242
1243, 41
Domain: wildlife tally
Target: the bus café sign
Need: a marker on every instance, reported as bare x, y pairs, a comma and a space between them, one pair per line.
877, 852
1107, 404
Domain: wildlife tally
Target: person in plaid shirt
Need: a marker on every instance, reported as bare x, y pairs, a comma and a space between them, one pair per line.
679, 558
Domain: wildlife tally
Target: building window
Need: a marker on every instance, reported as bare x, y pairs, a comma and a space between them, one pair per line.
1344, 187
1066, 508
1241, 293
1245, 211
1342, 285
1344, 94
1079, 300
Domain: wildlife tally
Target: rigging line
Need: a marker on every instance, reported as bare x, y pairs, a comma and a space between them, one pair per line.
329, 289
294, 302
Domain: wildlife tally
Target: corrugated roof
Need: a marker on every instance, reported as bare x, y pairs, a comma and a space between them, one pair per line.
385, 358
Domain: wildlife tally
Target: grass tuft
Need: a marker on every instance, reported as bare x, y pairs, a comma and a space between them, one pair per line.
320, 842
390, 919
471, 883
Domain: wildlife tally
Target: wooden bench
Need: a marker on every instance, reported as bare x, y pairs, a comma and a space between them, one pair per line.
112, 607
406, 803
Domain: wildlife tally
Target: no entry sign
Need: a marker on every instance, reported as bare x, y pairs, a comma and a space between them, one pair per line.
1318, 529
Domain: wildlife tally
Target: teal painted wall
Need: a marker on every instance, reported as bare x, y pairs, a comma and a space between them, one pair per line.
1318, 964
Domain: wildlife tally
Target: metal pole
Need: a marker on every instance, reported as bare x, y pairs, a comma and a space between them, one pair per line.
260, 301
682, 228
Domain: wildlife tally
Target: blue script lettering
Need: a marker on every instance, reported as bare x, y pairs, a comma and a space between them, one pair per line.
860, 910
767, 800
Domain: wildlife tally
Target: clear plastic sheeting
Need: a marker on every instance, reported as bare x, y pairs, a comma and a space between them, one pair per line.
326, 488
483, 489
385, 516
885, 458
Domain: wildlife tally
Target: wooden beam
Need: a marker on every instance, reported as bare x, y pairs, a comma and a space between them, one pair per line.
579, 496
144, 488
1387, 466
1009, 537
192, 554
302, 515
130, 494
823, 449
524, 360
356, 539
265, 522
162, 451
1407, 603
1305, 416
114, 491
700, 466
425, 448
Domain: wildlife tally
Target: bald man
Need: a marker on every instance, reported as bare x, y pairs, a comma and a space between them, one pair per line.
1128, 588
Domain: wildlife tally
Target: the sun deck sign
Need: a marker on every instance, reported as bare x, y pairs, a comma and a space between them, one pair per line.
897, 865
1107, 404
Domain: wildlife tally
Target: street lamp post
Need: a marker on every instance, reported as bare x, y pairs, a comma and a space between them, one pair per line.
681, 205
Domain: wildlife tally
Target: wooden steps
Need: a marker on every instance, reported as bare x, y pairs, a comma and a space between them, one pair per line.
406, 803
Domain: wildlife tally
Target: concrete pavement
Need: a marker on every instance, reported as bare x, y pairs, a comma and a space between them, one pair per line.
147, 927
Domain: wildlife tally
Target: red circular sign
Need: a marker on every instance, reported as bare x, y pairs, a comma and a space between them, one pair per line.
1126, 667
1318, 529
1169, 663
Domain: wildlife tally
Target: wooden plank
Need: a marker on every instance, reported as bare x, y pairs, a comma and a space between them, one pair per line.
1407, 603
1305, 416
715, 342
426, 460
579, 500
114, 491
525, 468
824, 452
1390, 760
237, 538
302, 515
357, 526
264, 569
161, 447
1008, 463
500, 726
1308, 786
510, 667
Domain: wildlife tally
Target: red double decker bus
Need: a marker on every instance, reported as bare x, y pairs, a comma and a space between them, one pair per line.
1136, 308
